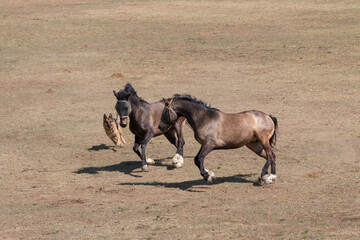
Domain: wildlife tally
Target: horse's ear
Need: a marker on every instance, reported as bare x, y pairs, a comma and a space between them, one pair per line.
129, 88
115, 93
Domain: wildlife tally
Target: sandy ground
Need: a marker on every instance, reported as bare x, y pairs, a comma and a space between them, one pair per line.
62, 178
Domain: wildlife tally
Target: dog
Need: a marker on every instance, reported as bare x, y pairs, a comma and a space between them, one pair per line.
113, 130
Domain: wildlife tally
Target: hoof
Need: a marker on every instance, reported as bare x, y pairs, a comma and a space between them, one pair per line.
268, 178
211, 177
260, 181
150, 161
177, 161
144, 168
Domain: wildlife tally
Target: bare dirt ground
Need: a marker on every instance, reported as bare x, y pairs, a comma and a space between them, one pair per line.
62, 178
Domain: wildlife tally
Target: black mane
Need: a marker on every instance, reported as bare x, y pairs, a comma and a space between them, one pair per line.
190, 98
130, 90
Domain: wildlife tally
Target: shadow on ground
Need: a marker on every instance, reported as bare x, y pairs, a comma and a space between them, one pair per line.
126, 167
196, 185
102, 147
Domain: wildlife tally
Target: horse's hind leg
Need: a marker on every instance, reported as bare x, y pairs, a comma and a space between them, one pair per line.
270, 156
258, 148
263, 149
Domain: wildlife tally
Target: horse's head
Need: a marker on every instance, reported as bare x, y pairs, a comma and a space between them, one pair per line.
168, 116
123, 107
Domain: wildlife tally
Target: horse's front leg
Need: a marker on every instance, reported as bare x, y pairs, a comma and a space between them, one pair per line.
178, 160
199, 161
136, 146
145, 160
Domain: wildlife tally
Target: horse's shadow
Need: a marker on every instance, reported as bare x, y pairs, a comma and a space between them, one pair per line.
195, 185
128, 167
131, 167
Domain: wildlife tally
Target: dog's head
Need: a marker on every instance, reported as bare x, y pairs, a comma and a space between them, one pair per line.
109, 122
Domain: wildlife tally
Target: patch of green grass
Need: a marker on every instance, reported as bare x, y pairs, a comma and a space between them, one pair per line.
279, 235
50, 233
180, 204
158, 217
308, 235
151, 205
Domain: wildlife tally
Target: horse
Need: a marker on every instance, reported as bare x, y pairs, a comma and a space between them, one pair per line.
144, 121
214, 129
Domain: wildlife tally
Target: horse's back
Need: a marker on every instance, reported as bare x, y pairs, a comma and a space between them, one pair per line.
238, 129
247, 119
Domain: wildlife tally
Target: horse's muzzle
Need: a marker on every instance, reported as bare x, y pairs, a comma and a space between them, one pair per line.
123, 122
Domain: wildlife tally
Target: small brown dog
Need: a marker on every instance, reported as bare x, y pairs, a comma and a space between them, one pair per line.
113, 130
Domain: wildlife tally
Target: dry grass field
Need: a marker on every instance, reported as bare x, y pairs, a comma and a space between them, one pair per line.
61, 176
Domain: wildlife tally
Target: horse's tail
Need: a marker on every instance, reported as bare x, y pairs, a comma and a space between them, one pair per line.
273, 137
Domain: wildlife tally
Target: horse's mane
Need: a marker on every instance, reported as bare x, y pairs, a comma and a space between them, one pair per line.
129, 89
190, 98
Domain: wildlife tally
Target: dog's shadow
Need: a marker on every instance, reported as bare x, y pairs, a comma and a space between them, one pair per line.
102, 147
125, 167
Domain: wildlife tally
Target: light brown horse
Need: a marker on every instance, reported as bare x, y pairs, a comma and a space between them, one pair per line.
214, 129
144, 121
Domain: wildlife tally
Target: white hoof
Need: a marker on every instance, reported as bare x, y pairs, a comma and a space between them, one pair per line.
211, 177
150, 161
144, 168
177, 161
269, 178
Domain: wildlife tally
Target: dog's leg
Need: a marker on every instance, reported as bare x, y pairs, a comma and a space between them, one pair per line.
118, 140
122, 139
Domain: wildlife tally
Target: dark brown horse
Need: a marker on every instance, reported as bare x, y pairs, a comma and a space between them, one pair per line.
214, 129
144, 121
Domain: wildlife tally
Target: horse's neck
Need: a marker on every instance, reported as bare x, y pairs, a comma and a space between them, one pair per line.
190, 110
134, 101
136, 110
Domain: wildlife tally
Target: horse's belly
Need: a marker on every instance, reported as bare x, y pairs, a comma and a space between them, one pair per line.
229, 145
235, 140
